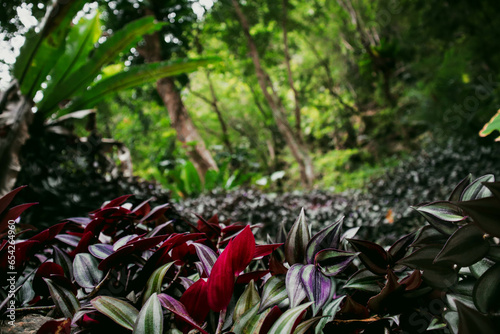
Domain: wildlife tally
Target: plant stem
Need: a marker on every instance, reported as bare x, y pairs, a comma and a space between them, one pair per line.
98, 286
222, 317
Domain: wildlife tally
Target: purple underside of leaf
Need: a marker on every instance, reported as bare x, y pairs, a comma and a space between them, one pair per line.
101, 251
207, 257
319, 288
178, 309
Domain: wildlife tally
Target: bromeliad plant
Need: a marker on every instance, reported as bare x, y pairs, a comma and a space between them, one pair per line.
127, 269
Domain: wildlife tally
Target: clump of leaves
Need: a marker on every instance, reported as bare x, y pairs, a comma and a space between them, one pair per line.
124, 268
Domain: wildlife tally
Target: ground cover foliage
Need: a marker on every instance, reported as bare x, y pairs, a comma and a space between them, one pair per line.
382, 207
158, 270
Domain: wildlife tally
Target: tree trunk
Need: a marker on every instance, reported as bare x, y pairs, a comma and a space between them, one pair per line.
298, 150
183, 125
298, 125
16, 115
180, 120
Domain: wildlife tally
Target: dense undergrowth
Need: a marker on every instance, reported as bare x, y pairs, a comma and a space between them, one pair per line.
382, 206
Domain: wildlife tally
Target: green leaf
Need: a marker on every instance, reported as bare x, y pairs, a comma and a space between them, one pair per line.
332, 261
251, 321
486, 292
476, 189
117, 310
79, 43
297, 240
492, 125
247, 300
64, 299
87, 275
155, 281
364, 280
77, 82
330, 310
479, 268
150, 318
303, 327
274, 292
285, 324
41, 50
465, 247
136, 76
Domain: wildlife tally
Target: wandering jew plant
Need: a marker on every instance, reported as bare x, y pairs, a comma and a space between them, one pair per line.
127, 269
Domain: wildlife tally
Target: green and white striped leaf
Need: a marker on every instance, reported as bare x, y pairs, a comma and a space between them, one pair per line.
476, 189
63, 298
295, 289
285, 324
117, 310
274, 292
150, 318
248, 320
330, 310
297, 240
303, 327
248, 299
87, 275
155, 281
442, 210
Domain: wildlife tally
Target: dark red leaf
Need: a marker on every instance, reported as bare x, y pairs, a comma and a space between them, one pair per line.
117, 201
49, 234
156, 213
56, 327
254, 275
5, 200
271, 318
195, 299
233, 260
115, 258
142, 209
13, 214
46, 270
264, 250
373, 256
83, 244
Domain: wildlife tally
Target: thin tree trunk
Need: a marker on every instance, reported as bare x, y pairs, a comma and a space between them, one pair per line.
214, 104
368, 41
289, 73
348, 110
180, 120
14, 131
298, 150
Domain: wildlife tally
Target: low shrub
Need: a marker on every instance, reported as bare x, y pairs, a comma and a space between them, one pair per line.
126, 268
381, 209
